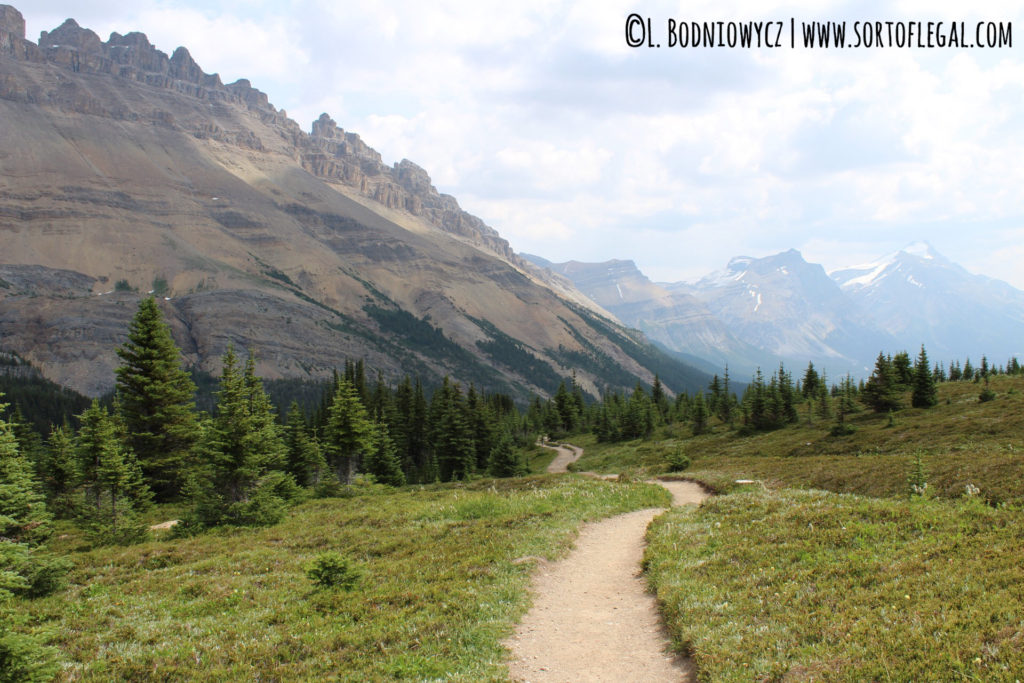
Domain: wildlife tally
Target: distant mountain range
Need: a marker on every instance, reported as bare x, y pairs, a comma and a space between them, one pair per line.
760, 311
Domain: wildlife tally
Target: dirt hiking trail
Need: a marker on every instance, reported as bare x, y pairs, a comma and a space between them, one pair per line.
567, 454
592, 618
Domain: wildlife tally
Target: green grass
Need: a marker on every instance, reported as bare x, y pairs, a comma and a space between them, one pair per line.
963, 442
809, 585
444, 572
538, 458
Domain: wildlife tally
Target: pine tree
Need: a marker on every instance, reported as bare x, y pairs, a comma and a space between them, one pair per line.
24, 525
382, 459
241, 455
23, 514
883, 389
482, 424
903, 370
715, 397
699, 414
811, 382
348, 435
156, 401
305, 460
638, 419
755, 403
787, 395
451, 439
727, 405
115, 493
61, 471
844, 405
504, 460
925, 394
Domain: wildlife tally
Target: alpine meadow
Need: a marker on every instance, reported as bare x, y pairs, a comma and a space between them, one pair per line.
272, 409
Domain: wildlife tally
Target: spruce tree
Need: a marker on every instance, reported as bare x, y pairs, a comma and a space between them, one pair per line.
24, 571
61, 472
504, 460
451, 438
883, 391
238, 479
844, 405
699, 414
23, 514
382, 459
156, 398
114, 490
305, 460
904, 371
482, 424
925, 394
811, 383
348, 435
726, 406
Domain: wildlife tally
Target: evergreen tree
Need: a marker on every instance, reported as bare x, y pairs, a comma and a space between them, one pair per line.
61, 471
755, 403
883, 390
115, 492
504, 460
156, 401
451, 438
925, 394
811, 383
968, 372
30, 444
824, 402
699, 414
305, 460
24, 525
903, 370
714, 399
954, 371
382, 459
349, 433
241, 455
787, 396
727, 405
638, 418
845, 404
482, 424
23, 514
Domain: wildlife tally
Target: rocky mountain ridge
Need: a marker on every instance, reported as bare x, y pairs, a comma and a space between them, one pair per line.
124, 171
760, 311
328, 151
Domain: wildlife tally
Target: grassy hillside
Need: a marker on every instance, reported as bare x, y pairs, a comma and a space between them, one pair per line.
444, 572
814, 586
773, 583
962, 441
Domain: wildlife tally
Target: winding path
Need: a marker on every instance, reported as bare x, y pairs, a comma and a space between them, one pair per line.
567, 454
592, 618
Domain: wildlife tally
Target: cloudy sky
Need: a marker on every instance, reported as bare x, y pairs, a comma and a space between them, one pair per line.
540, 119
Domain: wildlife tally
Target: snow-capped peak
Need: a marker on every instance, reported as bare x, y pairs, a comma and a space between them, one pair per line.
921, 249
867, 274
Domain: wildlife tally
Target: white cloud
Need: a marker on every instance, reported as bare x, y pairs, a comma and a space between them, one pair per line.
536, 116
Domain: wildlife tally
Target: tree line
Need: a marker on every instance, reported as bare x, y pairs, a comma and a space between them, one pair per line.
766, 402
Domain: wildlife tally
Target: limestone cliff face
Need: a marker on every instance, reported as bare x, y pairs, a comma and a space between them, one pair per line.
329, 152
124, 170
